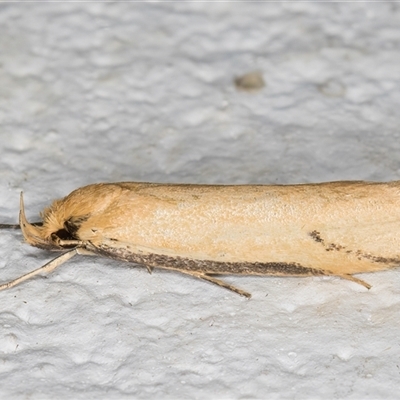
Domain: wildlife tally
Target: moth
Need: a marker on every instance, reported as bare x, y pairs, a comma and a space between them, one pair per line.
206, 231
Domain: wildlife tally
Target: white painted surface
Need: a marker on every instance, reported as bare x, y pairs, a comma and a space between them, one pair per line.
120, 91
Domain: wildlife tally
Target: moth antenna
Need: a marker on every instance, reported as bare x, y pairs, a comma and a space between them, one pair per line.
9, 226
18, 226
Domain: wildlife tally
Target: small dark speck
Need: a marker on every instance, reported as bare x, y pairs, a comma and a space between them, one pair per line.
316, 236
250, 82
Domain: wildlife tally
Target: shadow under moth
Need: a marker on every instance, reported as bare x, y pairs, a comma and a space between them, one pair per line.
334, 228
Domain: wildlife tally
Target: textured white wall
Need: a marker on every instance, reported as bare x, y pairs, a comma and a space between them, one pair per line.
121, 91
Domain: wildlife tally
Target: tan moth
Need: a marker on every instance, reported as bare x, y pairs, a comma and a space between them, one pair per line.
335, 228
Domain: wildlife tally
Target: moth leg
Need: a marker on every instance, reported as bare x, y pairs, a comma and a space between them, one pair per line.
84, 252
217, 282
356, 280
65, 243
49, 267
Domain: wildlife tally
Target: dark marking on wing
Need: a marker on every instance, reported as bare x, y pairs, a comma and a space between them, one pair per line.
207, 267
316, 236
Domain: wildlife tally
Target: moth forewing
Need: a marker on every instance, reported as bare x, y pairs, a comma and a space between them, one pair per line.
336, 228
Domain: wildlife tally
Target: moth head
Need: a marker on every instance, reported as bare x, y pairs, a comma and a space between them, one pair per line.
53, 234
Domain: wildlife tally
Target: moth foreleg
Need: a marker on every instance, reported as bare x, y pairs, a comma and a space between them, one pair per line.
49, 267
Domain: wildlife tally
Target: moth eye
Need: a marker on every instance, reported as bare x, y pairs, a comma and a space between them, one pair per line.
62, 234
